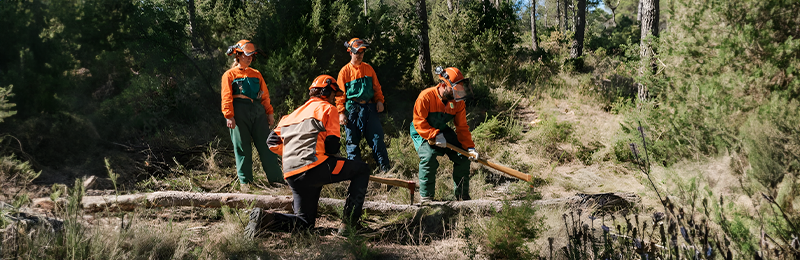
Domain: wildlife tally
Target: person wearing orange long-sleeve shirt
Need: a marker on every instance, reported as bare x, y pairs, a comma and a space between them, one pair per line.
360, 104
434, 108
248, 113
308, 141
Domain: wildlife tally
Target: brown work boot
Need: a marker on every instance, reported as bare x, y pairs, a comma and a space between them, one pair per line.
260, 221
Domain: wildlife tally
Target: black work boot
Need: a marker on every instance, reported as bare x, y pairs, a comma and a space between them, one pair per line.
260, 221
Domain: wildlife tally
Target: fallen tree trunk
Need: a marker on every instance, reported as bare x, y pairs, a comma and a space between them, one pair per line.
238, 200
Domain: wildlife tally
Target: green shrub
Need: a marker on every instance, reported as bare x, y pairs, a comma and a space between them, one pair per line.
5, 105
14, 169
496, 127
772, 143
506, 233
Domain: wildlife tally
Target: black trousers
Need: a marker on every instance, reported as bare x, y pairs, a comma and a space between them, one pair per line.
306, 188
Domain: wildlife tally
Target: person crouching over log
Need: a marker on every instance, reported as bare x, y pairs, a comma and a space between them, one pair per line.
308, 141
434, 107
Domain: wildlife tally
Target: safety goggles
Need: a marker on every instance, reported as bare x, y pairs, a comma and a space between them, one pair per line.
461, 89
248, 49
356, 45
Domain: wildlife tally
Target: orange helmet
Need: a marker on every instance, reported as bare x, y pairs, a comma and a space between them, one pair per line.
325, 81
453, 78
243, 46
355, 44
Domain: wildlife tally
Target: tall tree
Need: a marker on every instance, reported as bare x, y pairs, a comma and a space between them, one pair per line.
613, 7
566, 14
193, 24
534, 41
558, 14
424, 58
639, 11
580, 25
649, 14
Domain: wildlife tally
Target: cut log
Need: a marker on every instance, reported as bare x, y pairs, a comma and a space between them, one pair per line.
238, 200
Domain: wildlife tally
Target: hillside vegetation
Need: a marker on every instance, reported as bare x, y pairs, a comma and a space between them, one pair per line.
128, 91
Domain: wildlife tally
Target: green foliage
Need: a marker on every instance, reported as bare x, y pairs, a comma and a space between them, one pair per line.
498, 127
5, 105
771, 141
477, 35
610, 38
507, 232
17, 171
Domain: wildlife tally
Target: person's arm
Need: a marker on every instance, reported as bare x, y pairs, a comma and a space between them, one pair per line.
462, 129
265, 101
341, 97
226, 95
275, 142
376, 87
421, 109
332, 134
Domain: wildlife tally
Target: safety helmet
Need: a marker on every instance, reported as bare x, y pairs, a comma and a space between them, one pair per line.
453, 78
243, 46
326, 82
355, 44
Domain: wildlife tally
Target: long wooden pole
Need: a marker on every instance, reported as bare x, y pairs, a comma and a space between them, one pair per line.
514, 173
397, 183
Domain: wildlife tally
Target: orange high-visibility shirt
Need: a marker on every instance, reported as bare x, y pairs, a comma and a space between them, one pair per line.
303, 134
430, 115
351, 72
249, 74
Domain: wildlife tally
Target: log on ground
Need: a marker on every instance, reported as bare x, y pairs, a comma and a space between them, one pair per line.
239, 200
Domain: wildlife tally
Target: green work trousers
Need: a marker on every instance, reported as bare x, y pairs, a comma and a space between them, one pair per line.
428, 166
252, 126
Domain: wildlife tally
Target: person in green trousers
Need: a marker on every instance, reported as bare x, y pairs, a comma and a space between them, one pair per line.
248, 114
434, 108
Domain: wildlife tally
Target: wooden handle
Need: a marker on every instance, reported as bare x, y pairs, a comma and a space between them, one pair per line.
509, 171
394, 182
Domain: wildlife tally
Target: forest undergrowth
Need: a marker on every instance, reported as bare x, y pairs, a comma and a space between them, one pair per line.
127, 92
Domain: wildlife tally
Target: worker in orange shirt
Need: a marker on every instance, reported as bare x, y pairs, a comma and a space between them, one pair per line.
248, 114
308, 141
434, 108
360, 104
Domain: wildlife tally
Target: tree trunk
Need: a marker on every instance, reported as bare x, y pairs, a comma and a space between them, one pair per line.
160, 199
534, 41
365, 7
558, 14
613, 11
650, 13
574, 16
639, 11
545, 15
450, 6
580, 25
424, 58
192, 25
566, 14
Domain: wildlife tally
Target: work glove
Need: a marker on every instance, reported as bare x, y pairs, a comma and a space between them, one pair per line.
440, 141
473, 155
